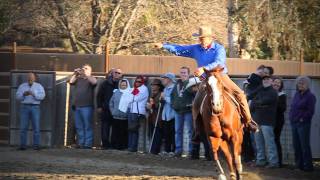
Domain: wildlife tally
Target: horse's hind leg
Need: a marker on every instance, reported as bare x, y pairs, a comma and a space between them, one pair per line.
225, 148
215, 144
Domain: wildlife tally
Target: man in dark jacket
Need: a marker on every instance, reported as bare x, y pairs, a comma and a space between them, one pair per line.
264, 109
254, 80
103, 97
181, 100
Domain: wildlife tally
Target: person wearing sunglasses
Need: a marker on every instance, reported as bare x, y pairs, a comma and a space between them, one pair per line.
137, 112
104, 95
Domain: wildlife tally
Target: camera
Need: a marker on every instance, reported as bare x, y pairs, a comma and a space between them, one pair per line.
79, 71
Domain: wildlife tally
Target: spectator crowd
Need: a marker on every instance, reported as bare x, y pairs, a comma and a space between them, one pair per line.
166, 109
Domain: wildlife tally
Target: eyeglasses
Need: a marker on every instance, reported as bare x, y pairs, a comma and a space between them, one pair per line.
118, 72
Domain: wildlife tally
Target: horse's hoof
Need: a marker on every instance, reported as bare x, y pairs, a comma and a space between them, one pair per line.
233, 176
222, 177
240, 177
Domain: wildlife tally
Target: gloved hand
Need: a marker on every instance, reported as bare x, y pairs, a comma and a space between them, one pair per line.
200, 73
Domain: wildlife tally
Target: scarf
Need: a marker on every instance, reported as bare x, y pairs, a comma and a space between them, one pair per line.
137, 85
125, 97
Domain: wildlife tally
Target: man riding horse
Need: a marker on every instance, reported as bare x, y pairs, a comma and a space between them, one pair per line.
209, 55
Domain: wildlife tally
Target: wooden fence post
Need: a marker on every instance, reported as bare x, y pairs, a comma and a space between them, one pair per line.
107, 60
301, 62
14, 51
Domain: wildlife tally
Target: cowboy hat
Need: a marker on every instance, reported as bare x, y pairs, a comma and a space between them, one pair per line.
204, 31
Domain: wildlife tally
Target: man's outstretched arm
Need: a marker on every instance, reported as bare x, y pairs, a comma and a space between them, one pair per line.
179, 50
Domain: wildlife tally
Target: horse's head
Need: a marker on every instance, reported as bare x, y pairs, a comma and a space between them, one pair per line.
215, 88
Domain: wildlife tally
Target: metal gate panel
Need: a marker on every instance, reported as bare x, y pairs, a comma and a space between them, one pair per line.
47, 107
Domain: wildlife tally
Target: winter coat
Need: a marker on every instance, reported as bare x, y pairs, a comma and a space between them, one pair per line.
139, 101
264, 106
302, 107
181, 98
116, 99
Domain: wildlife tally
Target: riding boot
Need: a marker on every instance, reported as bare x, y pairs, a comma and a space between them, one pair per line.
249, 123
242, 100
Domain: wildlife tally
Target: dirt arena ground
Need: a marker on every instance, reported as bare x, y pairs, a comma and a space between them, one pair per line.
111, 164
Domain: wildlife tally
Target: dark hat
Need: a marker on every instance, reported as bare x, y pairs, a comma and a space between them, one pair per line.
158, 83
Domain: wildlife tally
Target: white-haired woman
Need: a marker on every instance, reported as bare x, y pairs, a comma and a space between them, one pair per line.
301, 113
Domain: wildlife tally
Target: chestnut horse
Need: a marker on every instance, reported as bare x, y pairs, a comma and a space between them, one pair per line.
218, 115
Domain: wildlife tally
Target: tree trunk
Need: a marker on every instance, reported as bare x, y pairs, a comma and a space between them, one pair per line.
233, 29
64, 21
96, 24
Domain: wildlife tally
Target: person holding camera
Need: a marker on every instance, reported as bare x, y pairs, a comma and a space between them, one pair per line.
84, 84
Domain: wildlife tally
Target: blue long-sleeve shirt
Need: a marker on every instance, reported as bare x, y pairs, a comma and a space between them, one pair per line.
35, 88
207, 58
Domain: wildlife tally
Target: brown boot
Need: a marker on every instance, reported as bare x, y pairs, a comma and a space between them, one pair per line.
252, 126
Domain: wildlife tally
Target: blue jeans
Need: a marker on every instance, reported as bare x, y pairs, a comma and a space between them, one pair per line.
180, 120
265, 140
83, 123
133, 134
301, 145
133, 138
28, 112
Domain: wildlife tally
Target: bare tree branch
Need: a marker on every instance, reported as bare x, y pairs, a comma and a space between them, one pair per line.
85, 47
115, 14
113, 26
128, 24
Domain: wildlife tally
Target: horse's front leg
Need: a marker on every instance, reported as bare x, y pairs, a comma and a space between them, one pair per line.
237, 141
215, 144
225, 148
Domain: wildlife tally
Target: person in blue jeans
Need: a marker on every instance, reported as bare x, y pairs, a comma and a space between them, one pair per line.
30, 94
264, 109
181, 99
137, 112
301, 113
83, 102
